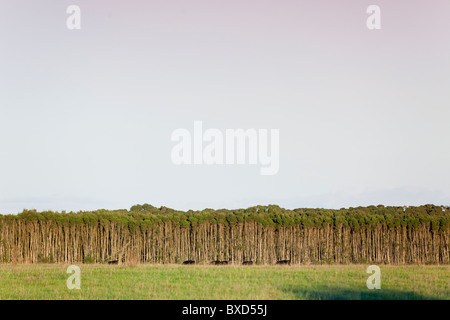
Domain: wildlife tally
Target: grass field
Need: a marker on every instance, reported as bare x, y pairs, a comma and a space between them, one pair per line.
223, 282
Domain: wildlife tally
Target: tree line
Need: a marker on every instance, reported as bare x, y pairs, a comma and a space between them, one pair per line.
262, 234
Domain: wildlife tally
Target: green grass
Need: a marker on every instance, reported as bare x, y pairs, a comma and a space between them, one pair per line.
223, 282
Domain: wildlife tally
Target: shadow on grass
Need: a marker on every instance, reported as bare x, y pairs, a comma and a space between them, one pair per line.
354, 294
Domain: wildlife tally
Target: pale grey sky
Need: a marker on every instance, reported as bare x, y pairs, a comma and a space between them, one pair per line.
86, 115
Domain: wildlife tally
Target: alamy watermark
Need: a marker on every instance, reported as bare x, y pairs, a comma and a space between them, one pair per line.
74, 281
73, 21
374, 20
374, 281
235, 146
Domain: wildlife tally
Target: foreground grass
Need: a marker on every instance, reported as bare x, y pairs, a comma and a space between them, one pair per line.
223, 282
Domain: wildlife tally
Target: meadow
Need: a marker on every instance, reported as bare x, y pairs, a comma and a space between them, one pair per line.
150, 281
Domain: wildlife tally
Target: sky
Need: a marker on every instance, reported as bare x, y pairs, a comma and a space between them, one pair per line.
86, 116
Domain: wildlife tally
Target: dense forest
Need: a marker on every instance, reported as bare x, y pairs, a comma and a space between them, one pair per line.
262, 234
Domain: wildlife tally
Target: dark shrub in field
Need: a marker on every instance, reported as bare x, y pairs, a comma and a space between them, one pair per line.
88, 260
219, 263
284, 262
